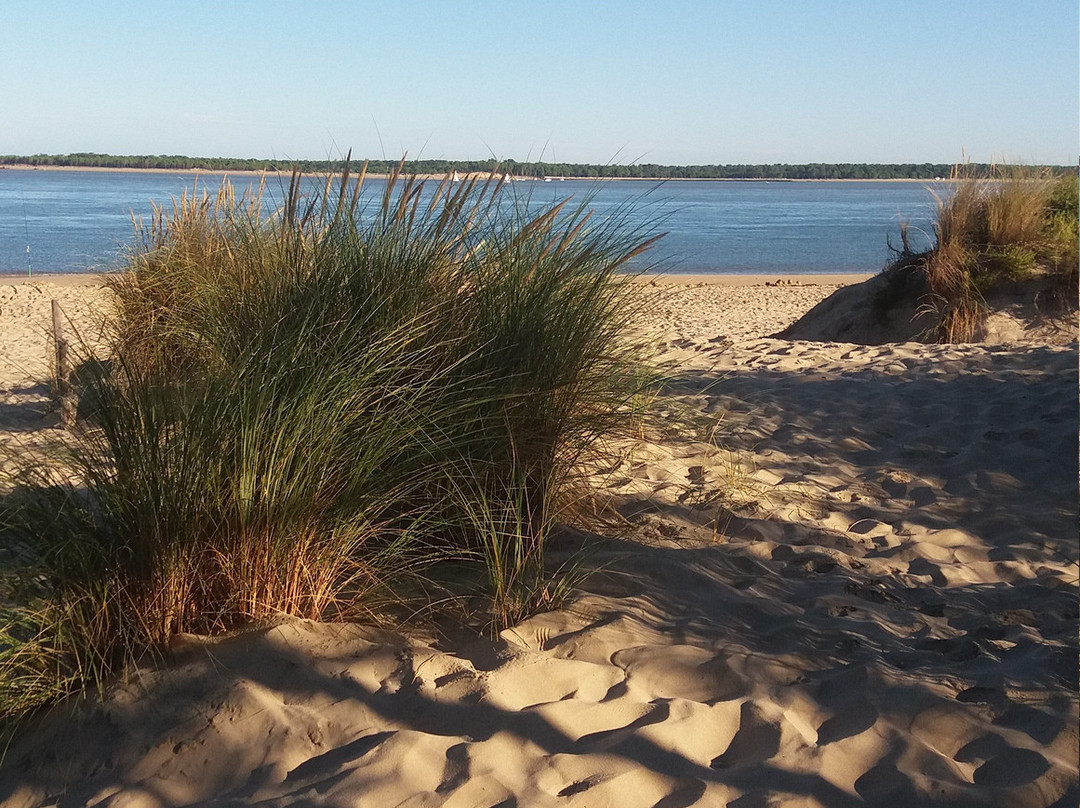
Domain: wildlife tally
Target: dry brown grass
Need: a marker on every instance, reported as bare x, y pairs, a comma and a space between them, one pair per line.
993, 235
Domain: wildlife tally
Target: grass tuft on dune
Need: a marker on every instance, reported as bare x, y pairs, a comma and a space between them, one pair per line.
1014, 234
299, 408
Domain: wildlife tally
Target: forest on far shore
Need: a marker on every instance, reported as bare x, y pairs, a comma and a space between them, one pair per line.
530, 169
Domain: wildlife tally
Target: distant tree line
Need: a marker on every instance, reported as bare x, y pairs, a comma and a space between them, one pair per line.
774, 171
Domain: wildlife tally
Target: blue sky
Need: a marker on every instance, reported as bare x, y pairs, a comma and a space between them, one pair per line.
672, 81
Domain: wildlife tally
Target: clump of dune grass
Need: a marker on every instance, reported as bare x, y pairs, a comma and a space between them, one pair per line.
298, 406
993, 235
510, 534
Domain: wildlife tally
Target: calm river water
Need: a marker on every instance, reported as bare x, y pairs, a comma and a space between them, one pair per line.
76, 221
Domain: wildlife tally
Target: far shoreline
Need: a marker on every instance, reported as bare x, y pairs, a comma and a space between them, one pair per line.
682, 279
464, 176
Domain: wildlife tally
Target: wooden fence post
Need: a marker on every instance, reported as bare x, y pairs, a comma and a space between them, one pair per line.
62, 389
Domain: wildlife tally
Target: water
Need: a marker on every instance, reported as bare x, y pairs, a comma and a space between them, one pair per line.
76, 221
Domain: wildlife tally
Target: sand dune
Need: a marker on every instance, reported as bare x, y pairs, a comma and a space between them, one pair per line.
848, 577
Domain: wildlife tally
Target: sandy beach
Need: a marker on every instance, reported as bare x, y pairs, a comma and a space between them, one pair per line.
837, 575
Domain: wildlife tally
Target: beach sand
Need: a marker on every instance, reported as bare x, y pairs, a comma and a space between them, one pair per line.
844, 576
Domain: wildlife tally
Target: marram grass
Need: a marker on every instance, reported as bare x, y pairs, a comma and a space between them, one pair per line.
298, 406
994, 234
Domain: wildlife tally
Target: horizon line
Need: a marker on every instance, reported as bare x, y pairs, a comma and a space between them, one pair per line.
495, 161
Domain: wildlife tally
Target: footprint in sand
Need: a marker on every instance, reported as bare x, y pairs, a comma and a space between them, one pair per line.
456, 771
1041, 726
687, 793
884, 784
583, 785
857, 716
606, 739
1015, 767
679, 672
757, 740
330, 764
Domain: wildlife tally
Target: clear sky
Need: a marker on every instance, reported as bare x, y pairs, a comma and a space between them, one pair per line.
670, 81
